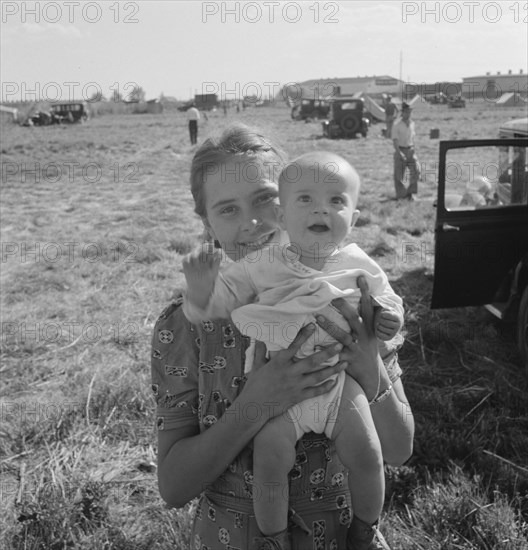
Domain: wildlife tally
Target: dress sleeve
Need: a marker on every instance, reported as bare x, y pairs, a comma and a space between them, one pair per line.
174, 369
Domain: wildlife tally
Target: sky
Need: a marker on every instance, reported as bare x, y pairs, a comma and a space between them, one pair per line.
75, 49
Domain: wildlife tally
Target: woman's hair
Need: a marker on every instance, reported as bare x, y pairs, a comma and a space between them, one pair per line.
237, 140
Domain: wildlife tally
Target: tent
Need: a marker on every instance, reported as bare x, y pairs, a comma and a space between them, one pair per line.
419, 103
374, 108
510, 99
10, 112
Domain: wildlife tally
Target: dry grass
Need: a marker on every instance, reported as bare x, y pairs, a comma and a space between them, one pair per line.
90, 259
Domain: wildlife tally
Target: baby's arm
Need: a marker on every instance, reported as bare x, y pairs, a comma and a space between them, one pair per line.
389, 313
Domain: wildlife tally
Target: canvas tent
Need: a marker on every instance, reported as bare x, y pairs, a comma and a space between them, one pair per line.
9, 112
509, 99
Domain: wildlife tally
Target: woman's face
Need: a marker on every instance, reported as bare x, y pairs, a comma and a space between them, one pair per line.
240, 200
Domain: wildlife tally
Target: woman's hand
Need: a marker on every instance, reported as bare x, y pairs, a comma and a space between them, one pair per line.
360, 348
284, 381
200, 268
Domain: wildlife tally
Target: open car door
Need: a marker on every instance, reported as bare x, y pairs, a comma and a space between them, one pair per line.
481, 231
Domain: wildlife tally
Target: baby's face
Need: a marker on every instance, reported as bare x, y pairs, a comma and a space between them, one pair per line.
318, 205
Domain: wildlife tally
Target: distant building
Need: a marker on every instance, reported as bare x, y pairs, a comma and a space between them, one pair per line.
491, 87
374, 86
154, 106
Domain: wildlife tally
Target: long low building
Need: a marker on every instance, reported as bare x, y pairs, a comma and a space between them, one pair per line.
492, 86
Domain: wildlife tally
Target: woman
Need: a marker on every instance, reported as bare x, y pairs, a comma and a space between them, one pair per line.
208, 412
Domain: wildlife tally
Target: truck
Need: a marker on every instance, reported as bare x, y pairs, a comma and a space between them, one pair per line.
206, 102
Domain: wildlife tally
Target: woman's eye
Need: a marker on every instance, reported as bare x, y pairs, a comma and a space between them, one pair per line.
264, 199
228, 211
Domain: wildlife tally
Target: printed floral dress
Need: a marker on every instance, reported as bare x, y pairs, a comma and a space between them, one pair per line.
197, 372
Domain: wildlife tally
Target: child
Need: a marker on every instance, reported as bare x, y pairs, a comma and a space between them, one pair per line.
290, 281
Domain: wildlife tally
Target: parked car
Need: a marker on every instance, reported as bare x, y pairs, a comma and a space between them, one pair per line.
481, 231
310, 108
70, 112
457, 102
347, 118
43, 118
436, 99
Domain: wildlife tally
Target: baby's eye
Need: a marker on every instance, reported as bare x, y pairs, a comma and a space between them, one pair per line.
304, 198
338, 200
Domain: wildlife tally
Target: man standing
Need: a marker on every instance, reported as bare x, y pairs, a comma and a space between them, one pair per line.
193, 116
403, 136
390, 115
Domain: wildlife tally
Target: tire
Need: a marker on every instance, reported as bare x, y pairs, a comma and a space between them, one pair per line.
350, 126
522, 328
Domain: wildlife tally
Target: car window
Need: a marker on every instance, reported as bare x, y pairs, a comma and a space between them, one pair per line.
486, 177
350, 106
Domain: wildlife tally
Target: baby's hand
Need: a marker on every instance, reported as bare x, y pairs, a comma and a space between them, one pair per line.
200, 268
387, 323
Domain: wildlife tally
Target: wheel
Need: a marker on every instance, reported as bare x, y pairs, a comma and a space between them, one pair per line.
350, 126
522, 328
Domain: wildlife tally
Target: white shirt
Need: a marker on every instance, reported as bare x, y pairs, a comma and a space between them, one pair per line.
193, 114
404, 133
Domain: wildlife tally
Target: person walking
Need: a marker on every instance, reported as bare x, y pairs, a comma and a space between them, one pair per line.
193, 116
403, 139
391, 112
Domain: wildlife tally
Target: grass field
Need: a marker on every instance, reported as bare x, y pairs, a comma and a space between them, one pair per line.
95, 219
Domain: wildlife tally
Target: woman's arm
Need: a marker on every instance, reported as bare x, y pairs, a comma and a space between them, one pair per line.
188, 460
392, 415
213, 293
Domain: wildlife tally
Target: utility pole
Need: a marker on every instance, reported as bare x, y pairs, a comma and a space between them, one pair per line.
401, 72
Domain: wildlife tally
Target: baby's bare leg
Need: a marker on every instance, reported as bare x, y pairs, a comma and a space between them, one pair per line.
359, 449
273, 458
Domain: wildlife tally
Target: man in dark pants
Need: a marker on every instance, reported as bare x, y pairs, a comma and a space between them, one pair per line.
403, 136
391, 111
193, 116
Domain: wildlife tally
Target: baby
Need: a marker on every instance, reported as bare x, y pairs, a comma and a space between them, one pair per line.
271, 295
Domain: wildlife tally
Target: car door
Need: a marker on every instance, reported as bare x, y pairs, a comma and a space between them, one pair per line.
481, 230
